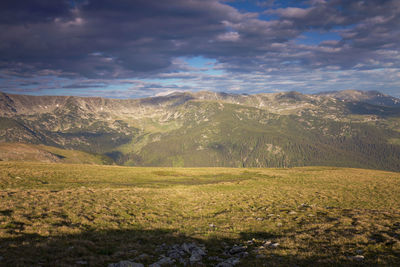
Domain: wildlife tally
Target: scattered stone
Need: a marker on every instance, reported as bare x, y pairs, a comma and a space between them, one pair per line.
162, 261
357, 257
125, 264
269, 244
236, 249
310, 215
176, 252
271, 215
235, 253
174, 255
233, 261
165, 260
188, 247
260, 219
81, 262
195, 258
257, 250
274, 245
142, 257
196, 252
292, 212
118, 254
243, 254
181, 254
212, 225
215, 258
279, 224
161, 247
304, 206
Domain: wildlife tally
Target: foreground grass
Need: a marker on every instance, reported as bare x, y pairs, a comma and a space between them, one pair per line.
64, 214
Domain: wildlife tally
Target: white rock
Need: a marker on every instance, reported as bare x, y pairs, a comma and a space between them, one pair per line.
273, 245
357, 257
267, 243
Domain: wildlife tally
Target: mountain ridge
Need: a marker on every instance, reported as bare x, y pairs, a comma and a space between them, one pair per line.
213, 129
45, 102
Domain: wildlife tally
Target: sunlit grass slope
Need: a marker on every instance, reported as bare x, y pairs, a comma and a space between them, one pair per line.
42, 153
64, 214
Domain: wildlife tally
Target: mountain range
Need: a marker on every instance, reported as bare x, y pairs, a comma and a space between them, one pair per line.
339, 128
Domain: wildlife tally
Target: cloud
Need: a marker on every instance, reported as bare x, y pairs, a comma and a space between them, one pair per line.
293, 12
83, 85
33, 11
229, 37
140, 39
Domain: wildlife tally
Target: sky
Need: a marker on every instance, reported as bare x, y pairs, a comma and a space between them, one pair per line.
140, 48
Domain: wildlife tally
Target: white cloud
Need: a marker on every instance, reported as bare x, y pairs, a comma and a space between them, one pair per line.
229, 37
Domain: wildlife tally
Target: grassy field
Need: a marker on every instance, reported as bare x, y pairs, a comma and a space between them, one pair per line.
76, 215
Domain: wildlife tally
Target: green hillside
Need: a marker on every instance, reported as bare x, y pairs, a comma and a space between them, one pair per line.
211, 129
238, 136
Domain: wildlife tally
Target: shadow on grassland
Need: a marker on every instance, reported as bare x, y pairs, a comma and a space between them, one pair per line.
99, 248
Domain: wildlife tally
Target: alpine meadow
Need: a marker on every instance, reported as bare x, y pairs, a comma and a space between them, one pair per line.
191, 133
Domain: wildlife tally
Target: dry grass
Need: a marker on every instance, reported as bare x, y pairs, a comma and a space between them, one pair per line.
59, 214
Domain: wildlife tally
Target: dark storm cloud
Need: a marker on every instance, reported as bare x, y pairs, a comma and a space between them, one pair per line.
111, 38
33, 11
100, 39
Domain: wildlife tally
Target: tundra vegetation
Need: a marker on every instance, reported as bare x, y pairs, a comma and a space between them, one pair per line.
57, 214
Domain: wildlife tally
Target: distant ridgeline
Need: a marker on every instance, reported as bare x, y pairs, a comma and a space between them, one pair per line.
347, 128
